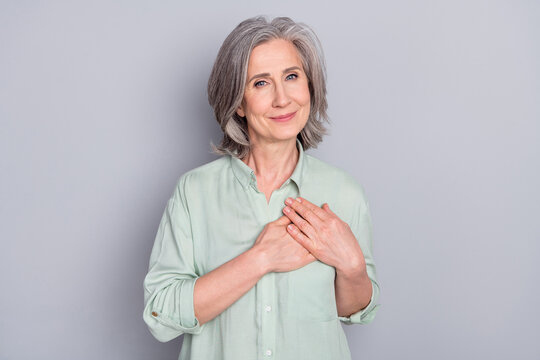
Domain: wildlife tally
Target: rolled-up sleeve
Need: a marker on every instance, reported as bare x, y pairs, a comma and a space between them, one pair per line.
362, 228
170, 281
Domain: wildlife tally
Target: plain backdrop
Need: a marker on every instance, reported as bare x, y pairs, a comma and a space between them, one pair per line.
435, 110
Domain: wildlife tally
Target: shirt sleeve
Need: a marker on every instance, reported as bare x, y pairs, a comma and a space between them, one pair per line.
362, 229
171, 277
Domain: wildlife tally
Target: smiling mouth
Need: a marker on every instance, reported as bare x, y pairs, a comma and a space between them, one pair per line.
283, 118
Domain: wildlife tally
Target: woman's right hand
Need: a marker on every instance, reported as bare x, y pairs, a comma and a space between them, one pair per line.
278, 250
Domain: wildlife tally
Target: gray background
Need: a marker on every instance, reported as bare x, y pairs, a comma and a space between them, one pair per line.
435, 110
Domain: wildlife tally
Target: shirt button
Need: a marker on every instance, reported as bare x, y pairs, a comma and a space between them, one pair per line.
268, 352
154, 313
268, 308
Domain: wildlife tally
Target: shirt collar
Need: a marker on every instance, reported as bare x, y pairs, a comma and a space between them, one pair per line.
246, 175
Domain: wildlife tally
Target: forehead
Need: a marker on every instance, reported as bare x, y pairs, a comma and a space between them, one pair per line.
274, 55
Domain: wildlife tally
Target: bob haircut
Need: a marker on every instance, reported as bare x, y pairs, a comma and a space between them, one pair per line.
227, 80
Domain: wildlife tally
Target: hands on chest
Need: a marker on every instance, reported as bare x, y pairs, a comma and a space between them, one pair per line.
307, 233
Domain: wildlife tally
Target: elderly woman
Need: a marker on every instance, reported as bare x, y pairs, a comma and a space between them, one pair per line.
264, 252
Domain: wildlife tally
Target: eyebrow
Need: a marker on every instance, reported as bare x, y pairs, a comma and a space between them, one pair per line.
268, 74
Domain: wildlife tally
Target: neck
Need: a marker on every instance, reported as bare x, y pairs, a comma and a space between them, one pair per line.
273, 163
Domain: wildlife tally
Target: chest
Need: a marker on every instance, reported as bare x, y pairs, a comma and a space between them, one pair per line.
228, 223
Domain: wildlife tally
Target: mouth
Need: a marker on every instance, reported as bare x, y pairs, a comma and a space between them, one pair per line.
283, 118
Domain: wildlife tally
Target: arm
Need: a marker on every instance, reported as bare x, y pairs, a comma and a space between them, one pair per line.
178, 300
353, 288
274, 251
346, 247
220, 288
357, 289
169, 283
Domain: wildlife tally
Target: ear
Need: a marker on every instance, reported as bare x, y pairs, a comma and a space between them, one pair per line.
240, 111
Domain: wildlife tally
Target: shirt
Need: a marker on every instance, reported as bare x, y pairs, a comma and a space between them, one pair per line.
216, 213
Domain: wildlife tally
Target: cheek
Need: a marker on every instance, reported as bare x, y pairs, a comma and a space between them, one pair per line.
257, 104
306, 103
303, 95
307, 109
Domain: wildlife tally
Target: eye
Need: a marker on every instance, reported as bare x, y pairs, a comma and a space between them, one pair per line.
291, 76
259, 83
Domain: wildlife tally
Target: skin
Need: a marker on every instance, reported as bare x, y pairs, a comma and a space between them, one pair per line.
283, 89
306, 232
330, 240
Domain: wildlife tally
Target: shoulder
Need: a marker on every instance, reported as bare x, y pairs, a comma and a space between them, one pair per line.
204, 176
328, 183
325, 174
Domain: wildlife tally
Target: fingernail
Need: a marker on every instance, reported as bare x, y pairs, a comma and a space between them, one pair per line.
299, 200
288, 201
290, 227
287, 209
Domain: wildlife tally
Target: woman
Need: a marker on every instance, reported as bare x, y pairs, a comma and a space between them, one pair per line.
261, 253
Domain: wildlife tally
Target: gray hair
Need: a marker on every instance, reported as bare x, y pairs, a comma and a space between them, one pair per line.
228, 79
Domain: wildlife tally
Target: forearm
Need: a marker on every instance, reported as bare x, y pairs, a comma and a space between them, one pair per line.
353, 289
217, 290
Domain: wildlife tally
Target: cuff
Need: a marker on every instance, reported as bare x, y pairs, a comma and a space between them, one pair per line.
366, 315
168, 319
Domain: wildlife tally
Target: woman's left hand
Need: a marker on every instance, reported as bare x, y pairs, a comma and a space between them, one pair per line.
324, 235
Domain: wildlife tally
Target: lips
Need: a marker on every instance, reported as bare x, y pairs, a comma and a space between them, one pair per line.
284, 117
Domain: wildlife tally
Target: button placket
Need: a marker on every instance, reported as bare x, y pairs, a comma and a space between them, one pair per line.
268, 331
268, 291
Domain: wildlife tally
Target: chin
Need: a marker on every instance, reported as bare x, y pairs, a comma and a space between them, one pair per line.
287, 132
285, 137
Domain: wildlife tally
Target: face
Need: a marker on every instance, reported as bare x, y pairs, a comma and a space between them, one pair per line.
276, 99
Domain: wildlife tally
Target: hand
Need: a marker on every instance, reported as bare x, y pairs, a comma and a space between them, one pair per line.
324, 235
278, 250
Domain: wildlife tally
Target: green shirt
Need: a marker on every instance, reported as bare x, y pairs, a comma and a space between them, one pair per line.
216, 213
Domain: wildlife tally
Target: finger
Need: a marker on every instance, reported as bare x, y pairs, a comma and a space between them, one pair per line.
299, 206
311, 206
300, 237
283, 220
310, 258
327, 209
299, 221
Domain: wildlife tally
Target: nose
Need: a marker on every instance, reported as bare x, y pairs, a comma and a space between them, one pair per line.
281, 99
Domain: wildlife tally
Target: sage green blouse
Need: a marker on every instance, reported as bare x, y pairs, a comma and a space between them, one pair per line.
216, 213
